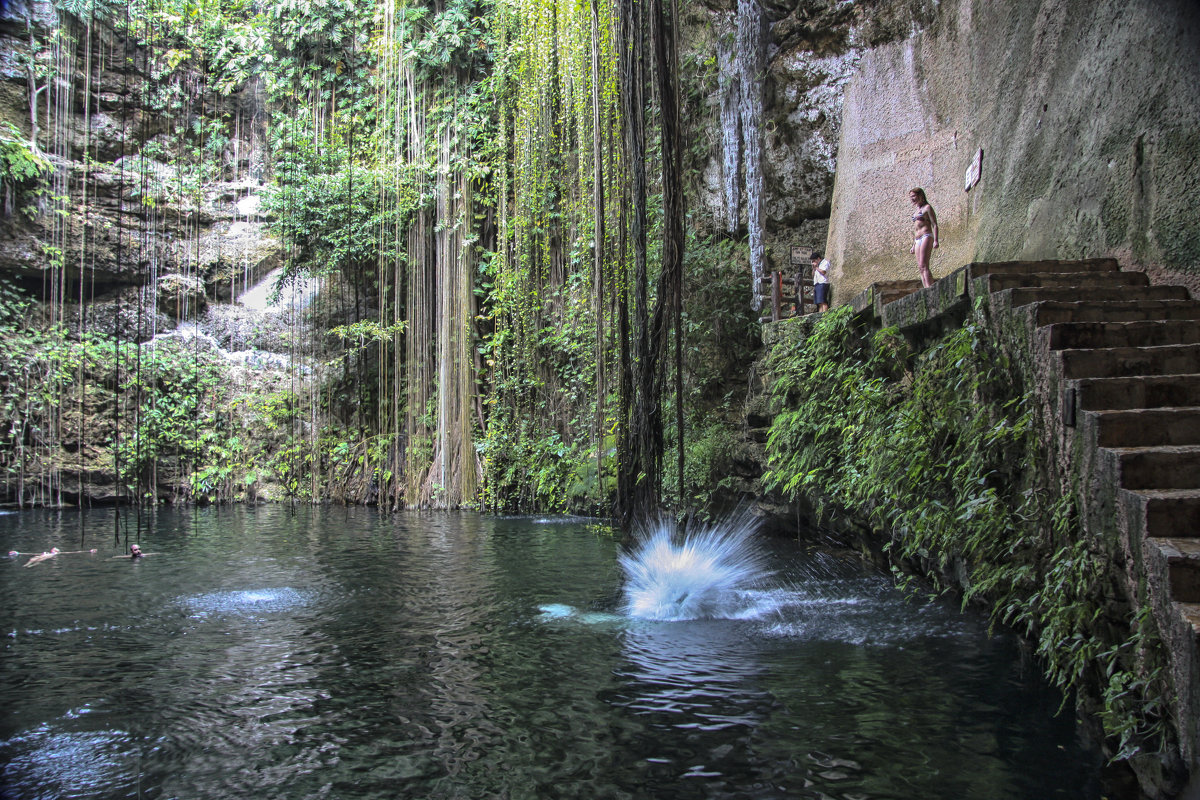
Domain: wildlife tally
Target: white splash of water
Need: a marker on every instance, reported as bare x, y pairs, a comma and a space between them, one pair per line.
192, 334
708, 574
559, 612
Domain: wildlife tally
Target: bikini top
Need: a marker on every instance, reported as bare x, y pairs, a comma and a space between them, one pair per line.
919, 215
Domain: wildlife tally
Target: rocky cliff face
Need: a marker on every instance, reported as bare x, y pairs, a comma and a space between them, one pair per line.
811, 50
136, 195
133, 196
133, 206
1086, 114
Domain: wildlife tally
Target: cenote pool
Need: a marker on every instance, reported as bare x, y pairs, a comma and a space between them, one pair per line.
345, 654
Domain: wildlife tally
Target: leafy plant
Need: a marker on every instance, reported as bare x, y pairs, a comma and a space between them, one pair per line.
934, 447
22, 168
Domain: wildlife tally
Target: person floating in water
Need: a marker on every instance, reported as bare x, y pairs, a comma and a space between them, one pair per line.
925, 234
49, 554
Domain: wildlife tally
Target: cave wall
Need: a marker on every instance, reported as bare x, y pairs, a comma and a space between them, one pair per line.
1088, 116
810, 52
120, 204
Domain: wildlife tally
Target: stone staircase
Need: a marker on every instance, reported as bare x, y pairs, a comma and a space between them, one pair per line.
1129, 358
1113, 367
1120, 369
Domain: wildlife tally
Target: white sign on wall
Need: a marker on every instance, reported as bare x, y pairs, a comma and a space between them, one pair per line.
974, 171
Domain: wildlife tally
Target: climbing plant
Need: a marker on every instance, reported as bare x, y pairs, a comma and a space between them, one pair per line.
556, 272
22, 170
935, 448
497, 234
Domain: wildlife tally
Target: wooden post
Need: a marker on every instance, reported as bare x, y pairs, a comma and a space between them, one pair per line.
776, 294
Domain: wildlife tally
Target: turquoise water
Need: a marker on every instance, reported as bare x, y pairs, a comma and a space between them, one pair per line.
340, 653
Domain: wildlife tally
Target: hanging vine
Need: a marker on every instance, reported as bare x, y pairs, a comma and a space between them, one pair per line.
496, 233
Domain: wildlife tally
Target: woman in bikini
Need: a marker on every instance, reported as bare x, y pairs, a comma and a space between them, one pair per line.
925, 233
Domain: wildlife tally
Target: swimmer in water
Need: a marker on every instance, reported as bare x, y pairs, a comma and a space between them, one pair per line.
43, 557
54, 551
135, 552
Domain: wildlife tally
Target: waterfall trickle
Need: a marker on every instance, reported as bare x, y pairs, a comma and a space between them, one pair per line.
751, 26
706, 574
275, 292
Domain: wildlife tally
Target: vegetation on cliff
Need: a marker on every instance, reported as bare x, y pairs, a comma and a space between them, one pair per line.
491, 195
936, 450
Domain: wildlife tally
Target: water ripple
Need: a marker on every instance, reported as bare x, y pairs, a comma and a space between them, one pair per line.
50, 762
246, 602
343, 653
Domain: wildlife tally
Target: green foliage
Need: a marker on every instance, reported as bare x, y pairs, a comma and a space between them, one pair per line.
177, 414
166, 416
932, 447
551, 349
14, 304
19, 163
22, 168
85, 10
455, 38
492, 126
367, 330
292, 46
708, 471
330, 208
721, 331
533, 470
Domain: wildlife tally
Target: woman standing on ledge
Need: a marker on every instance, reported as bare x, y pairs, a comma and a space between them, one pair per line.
925, 233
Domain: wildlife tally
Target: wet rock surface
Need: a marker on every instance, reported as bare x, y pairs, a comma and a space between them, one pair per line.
118, 207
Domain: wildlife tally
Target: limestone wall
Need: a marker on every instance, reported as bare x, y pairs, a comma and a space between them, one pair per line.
120, 198
1088, 116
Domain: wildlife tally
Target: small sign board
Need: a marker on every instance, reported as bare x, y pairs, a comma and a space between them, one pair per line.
801, 256
974, 171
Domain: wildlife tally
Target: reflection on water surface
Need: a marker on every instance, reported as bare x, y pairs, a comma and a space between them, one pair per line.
339, 653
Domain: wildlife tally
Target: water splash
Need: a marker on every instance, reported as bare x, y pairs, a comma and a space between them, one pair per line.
708, 574
51, 760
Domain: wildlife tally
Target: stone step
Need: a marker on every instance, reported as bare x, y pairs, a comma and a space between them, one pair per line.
1158, 467
889, 295
1144, 333
1115, 362
1052, 312
1167, 513
1142, 391
1068, 280
1182, 557
1148, 427
1088, 265
1033, 294
1191, 614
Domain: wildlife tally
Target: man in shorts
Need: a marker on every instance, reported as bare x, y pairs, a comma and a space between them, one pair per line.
821, 267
